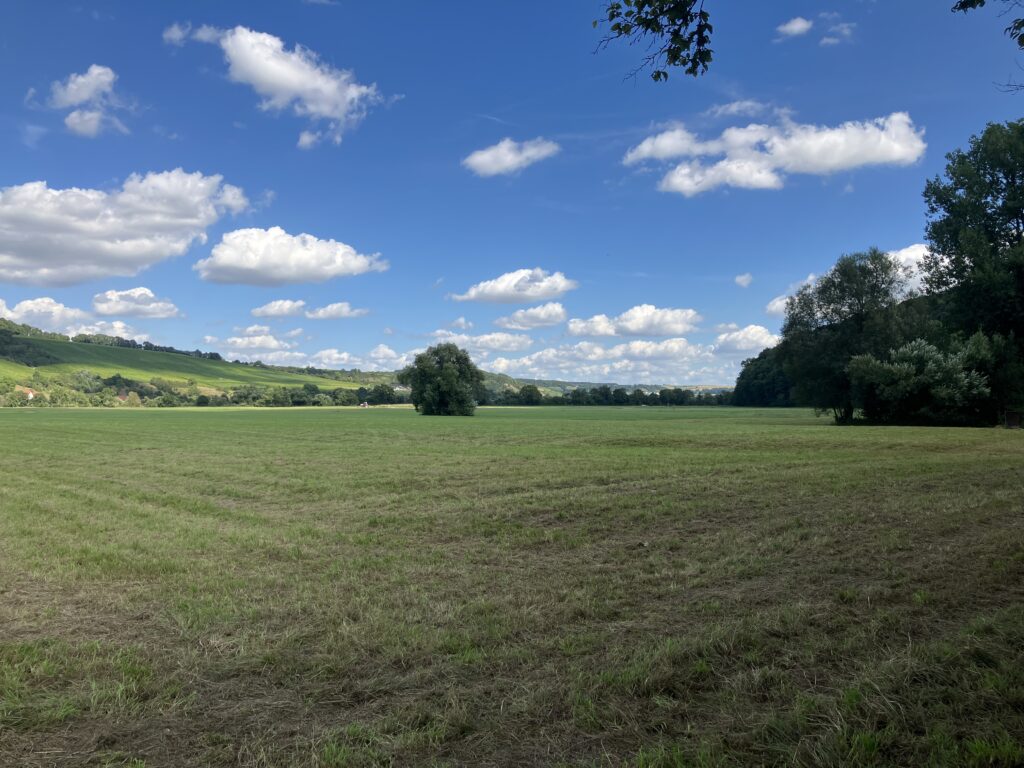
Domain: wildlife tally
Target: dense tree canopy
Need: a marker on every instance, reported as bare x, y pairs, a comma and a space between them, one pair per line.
529, 394
846, 312
444, 381
763, 381
919, 384
976, 231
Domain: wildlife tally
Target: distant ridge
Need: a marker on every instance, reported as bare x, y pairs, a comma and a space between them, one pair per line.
29, 351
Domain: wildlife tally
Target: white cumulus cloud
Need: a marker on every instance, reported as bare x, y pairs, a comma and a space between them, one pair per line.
741, 107
335, 358
795, 27
508, 156
273, 257
519, 287
138, 302
911, 258
383, 357
641, 320
380, 358
336, 311
752, 338
258, 341
177, 33
332, 99
91, 97
43, 312
759, 156
541, 316
777, 306
94, 84
280, 308
65, 236
744, 280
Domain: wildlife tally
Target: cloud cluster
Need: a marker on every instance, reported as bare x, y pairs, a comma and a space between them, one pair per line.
521, 286
273, 257
486, 342
262, 341
839, 31
332, 99
641, 320
43, 312
65, 236
758, 156
380, 358
90, 96
138, 302
51, 315
744, 280
540, 316
670, 360
257, 342
508, 156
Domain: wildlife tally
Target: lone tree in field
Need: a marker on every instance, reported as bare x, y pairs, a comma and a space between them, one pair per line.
444, 381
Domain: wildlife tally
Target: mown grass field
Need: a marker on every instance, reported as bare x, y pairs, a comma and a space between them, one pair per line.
585, 587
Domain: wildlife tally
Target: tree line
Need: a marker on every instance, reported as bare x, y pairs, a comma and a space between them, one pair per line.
104, 340
87, 389
606, 395
859, 343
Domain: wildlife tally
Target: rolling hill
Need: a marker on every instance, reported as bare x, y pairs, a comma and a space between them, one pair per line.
67, 357
50, 356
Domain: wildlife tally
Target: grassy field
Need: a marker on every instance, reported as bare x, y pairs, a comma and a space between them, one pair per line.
143, 365
592, 587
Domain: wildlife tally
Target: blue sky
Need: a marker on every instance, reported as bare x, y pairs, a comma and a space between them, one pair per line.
429, 174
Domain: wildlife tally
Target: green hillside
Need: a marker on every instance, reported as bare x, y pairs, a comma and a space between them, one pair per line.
143, 365
30, 354
14, 371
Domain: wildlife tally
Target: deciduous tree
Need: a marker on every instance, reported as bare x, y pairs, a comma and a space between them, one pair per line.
444, 381
848, 311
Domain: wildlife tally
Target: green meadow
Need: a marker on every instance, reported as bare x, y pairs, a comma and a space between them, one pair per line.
551, 586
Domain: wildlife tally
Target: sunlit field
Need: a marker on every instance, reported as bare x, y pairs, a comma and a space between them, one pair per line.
550, 586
